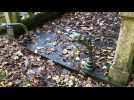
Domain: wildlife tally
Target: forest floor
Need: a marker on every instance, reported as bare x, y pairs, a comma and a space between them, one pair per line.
22, 68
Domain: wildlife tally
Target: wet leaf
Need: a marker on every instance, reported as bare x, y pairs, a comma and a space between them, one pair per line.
19, 53
50, 50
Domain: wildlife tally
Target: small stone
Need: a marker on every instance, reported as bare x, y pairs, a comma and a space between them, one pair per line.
35, 51
68, 29
83, 62
77, 58
65, 51
59, 32
50, 62
49, 77
104, 67
54, 43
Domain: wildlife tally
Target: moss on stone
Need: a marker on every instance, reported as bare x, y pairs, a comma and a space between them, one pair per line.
122, 65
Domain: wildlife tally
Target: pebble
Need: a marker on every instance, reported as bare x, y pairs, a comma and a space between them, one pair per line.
77, 58
91, 28
54, 43
104, 67
35, 51
68, 29
59, 32
83, 62
49, 77
65, 51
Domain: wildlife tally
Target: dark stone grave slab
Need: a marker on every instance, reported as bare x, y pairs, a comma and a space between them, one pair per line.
63, 50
